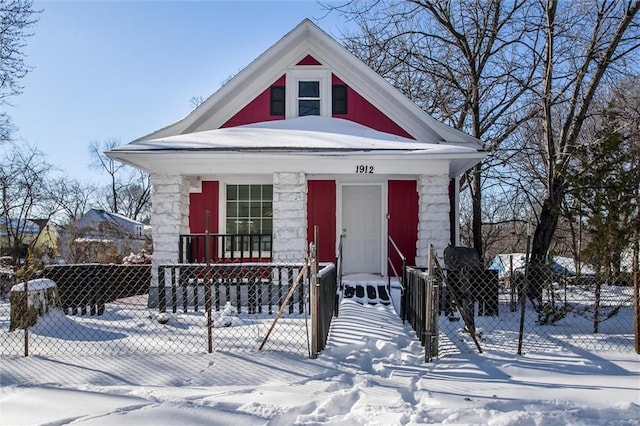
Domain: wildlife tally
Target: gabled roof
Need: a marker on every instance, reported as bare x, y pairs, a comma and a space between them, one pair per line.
106, 216
304, 40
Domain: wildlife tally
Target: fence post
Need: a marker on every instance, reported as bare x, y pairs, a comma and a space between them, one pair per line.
207, 283
523, 294
428, 312
314, 295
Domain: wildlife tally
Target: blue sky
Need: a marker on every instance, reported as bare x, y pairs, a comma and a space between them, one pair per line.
122, 69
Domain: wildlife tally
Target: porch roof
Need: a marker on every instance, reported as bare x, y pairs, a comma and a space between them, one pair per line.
311, 135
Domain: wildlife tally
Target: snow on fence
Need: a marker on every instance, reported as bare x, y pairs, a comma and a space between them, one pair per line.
32, 299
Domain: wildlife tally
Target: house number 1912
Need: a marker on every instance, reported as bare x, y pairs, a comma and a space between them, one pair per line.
364, 169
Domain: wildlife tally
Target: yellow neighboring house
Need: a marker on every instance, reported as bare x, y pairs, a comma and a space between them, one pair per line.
47, 241
38, 235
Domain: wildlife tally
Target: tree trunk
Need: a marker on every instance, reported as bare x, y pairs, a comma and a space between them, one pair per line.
547, 224
476, 197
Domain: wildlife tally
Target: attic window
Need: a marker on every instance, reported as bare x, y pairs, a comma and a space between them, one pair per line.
308, 92
277, 100
308, 98
339, 99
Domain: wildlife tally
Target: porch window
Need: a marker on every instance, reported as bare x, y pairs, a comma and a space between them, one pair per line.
308, 98
250, 211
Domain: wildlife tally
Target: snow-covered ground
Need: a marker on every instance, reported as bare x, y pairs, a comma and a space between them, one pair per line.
371, 373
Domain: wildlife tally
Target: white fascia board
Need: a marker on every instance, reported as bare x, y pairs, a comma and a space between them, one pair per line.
191, 163
266, 163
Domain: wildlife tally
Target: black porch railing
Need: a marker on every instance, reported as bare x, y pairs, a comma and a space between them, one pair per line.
225, 248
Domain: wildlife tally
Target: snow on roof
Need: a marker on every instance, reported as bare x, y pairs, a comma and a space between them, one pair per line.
310, 133
560, 265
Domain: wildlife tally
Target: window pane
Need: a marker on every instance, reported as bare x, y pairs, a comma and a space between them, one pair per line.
308, 89
242, 226
232, 192
256, 192
243, 209
267, 192
232, 209
306, 107
231, 226
267, 209
243, 192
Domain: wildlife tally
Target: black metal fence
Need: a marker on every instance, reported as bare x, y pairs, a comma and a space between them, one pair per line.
87, 288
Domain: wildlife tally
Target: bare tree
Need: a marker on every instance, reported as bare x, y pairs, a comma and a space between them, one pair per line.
105, 164
462, 62
23, 186
71, 198
16, 18
129, 190
581, 45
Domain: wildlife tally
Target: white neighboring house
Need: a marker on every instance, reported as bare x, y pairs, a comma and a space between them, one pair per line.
127, 234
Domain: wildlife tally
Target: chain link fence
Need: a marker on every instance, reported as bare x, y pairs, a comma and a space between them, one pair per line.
519, 309
114, 309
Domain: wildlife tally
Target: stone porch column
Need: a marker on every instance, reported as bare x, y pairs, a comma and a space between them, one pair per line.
433, 216
289, 217
169, 218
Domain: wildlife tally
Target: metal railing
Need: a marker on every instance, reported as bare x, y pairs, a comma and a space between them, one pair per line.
225, 248
421, 301
328, 302
339, 262
402, 277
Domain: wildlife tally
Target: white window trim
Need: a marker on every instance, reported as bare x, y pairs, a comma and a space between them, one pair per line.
222, 202
307, 74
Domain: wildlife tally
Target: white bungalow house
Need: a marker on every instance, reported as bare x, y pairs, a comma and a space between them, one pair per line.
306, 135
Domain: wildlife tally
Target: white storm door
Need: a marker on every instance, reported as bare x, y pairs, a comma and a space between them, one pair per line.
362, 228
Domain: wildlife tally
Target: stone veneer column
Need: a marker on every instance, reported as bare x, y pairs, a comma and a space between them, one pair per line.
169, 218
289, 217
433, 216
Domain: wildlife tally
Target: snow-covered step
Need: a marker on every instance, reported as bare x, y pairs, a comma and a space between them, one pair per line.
367, 292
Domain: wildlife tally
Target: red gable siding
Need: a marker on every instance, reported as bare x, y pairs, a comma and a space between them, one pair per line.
361, 111
257, 110
403, 220
200, 203
321, 211
309, 60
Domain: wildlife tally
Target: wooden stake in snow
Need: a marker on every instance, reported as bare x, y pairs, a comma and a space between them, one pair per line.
303, 270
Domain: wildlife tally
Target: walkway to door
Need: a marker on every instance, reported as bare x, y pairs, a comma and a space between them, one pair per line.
362, 319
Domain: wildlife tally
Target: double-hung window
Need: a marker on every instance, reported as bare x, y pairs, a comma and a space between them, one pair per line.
308, 98
308, 92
